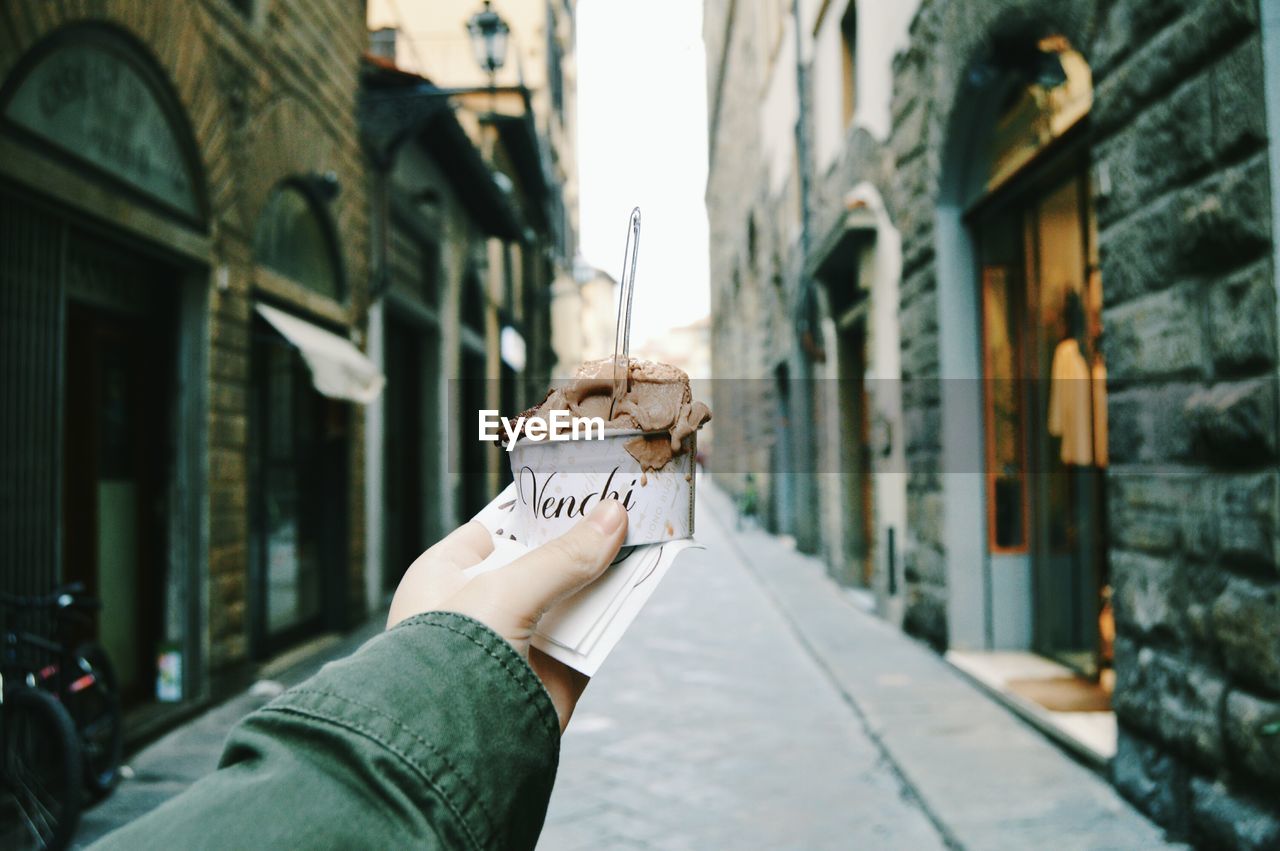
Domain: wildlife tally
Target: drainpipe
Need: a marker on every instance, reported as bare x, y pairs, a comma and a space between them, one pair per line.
804, 451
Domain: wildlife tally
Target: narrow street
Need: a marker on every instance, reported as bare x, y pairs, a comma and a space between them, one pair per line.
754, 706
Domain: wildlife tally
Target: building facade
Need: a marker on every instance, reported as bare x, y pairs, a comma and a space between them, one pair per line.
526, 124
585, 310
926, 215
461, 318
185, 243
520, 118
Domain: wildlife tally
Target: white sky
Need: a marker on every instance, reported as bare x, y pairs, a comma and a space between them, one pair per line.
642, 141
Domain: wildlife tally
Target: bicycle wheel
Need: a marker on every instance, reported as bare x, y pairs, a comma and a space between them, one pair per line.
95, 709
39, 772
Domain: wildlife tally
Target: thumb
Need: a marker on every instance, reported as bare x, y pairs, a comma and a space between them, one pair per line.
535, 582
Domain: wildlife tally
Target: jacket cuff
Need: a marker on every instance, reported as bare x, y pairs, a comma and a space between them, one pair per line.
446, 694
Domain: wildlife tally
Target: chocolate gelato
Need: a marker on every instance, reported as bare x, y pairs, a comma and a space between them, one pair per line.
655, 399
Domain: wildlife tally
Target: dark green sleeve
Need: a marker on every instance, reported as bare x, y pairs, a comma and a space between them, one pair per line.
435, 734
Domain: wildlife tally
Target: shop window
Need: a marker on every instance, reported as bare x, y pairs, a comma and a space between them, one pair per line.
295, 239
1044, 393
298, 452
1002, 310
849, 57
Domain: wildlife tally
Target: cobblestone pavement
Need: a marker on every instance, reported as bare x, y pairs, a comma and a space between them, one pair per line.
752, 706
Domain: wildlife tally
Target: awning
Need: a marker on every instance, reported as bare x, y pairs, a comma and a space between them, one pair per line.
338, 369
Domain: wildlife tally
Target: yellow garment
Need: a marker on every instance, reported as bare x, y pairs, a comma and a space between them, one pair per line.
1078, 406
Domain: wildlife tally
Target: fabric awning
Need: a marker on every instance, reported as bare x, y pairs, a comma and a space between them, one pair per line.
338, 369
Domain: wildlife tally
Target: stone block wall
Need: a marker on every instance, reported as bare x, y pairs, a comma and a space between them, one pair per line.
1181, 174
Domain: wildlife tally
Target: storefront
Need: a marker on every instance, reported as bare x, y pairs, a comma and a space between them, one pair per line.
1044, 405
412, 509
471, 394
103, 258
305, 375
858, 262
1019, 274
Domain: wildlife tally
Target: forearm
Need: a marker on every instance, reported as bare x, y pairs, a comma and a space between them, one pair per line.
435, 733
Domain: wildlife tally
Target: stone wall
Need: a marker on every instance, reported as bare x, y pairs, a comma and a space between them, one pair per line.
746, 311
267, 94
1180, 165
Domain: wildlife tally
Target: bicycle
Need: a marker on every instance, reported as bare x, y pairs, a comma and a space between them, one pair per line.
61, 736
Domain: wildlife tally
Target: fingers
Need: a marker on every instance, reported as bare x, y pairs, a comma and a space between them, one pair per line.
533, 583
436, 575
469, 544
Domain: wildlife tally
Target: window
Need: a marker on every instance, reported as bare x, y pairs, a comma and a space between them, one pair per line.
1003, 291
555, 62
294, 239
298, 442
849, 53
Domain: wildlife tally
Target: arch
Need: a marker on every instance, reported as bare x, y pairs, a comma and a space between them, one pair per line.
92, 94
290, 143
971, 98
295, 237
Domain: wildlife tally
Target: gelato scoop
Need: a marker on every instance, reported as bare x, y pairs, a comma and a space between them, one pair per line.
639, 395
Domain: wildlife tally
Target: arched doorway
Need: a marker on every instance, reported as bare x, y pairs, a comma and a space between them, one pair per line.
303, 376
1021, 301
103, 223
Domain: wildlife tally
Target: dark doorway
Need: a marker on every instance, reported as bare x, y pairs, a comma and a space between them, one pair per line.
473, 478
118, 454
402, 505
411, 485
781, 482
299, 454
855, 455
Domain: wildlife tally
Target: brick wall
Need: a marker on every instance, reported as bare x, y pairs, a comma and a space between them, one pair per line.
267, 95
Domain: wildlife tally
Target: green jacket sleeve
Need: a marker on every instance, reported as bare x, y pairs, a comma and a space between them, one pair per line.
435, 734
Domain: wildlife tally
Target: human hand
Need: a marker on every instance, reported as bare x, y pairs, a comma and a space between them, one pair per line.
512, 599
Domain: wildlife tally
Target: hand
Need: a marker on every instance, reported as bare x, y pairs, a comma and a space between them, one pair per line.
512, 599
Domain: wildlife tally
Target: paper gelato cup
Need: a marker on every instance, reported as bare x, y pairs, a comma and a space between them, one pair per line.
558, 483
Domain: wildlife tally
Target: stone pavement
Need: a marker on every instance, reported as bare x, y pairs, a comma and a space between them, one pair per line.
753, 706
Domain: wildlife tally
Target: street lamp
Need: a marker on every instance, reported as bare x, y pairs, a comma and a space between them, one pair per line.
489, 38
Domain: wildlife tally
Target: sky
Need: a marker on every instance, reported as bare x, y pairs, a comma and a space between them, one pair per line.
642, 141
